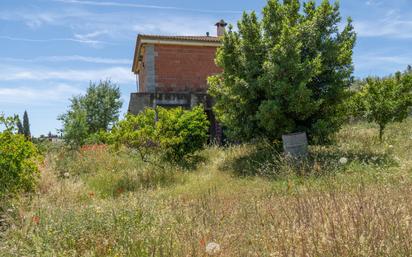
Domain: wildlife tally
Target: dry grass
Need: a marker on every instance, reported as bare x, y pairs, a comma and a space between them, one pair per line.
359, 209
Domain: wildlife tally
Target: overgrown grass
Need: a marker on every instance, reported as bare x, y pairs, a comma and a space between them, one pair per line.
248, 199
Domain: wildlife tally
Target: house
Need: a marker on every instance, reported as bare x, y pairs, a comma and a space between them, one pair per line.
172, 71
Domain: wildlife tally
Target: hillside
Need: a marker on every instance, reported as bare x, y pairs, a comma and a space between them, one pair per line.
351, 199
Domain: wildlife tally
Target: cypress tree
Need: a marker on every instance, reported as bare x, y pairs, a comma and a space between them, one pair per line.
26, 126
19, 126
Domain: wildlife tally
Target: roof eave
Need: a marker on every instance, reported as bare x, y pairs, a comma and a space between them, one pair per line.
141, 40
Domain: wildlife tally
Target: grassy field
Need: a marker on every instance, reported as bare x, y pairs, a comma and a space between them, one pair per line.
247, 199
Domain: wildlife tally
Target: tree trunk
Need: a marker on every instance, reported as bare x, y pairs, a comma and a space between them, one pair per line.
381, 129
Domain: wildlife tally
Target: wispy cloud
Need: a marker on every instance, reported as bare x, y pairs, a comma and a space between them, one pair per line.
33, 95
117, 74
91, 36
374, 2
35, 18
76, 40
383, 62
392, 25
143, 6
70, 58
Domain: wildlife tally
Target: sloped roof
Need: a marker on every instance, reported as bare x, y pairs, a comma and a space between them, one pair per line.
171, 40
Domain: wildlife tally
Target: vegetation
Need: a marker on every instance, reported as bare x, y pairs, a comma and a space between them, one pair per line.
26, 125
111, 204
175, 133
385, 100
288, 72
96, 111
18, 161
285, 73
19, 126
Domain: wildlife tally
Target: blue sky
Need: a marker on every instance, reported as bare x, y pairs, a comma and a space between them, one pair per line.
51, 49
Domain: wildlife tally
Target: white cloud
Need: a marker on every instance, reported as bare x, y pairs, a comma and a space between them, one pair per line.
39, 96
116, 74
71, 58
76, 40
392, 25
143, 6
91, 35
374, 2
34, 18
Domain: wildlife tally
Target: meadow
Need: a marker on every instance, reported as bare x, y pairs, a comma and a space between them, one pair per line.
353, 198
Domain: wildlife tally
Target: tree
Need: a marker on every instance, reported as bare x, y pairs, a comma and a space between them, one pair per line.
285, 73
102, 105
96, 111
75, 127
20, 129
385, 100
26, 125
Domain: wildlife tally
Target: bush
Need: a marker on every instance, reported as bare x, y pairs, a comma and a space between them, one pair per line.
182, 132
176, 133
18, 161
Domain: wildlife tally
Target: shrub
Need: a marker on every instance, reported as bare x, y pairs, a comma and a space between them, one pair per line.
384, 100
175, 132
18, 161
182, 132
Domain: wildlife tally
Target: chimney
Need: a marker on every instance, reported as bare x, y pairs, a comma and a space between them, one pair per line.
221, 28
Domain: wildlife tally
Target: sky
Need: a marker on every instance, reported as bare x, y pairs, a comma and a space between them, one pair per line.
51, 49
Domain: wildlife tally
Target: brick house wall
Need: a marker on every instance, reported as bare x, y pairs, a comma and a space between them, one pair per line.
184, 68
176, 68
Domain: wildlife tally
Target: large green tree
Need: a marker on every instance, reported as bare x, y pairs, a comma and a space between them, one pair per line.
91, 113
285, 73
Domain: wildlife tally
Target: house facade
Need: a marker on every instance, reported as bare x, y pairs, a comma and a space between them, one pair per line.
172, 71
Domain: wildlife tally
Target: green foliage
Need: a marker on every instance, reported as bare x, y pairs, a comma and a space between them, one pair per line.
285, 73
91, 114
75, 126
26, 125
20, 129
384, 100
176, 133
18, 160
102, 105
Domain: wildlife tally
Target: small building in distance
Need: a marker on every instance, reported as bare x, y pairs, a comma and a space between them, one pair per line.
172, 71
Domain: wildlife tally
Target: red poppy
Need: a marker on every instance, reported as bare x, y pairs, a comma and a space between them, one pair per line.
35, 219
119, 191
202, 242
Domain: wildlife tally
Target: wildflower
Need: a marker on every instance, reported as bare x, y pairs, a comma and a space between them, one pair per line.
91, 194
390, 146
35, 219
212, 248
202, 242
66, 174
120, 191
343, 160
